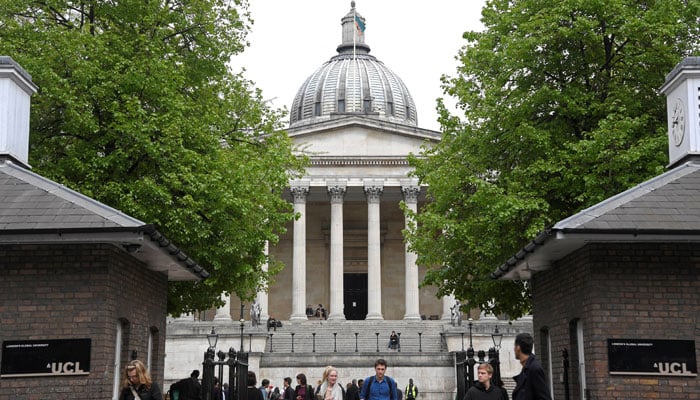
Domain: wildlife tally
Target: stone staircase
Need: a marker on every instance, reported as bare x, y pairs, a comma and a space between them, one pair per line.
323, 336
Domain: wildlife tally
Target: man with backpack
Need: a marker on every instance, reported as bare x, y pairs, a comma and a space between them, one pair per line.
411, 390
379, 386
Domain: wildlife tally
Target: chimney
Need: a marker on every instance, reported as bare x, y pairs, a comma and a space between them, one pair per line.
682, 90
16, 88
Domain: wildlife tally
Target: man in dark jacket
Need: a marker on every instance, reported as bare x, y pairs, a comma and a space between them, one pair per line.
484, 389
531, 383
353, 392
189, 388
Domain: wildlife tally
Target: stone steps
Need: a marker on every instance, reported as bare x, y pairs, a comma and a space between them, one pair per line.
355, 336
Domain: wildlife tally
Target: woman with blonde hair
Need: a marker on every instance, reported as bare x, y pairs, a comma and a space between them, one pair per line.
330, 388
138, 383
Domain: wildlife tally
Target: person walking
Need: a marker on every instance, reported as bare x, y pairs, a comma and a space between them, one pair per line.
288, 393
303, 390
411, 391
265, 388
484, 389
252, 392
379, 386
330, 388
353, 392
188, 388
138, 383
531, 383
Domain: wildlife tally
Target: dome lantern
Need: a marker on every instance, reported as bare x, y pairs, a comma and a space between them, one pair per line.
353, 82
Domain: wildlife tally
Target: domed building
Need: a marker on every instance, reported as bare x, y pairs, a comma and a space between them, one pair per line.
348, 277
356, 120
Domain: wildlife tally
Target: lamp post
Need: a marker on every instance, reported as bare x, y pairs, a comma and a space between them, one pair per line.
495, 357
313, 348
335, 342
242, 322
377, 333
470, 359
420, 342
355, 342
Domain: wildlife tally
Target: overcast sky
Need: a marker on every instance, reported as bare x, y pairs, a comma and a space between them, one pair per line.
418, 40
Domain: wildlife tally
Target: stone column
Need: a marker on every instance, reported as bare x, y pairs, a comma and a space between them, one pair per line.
262, 297
299, 191
223, 313
374, 269
410, 197
447, 303
336, 192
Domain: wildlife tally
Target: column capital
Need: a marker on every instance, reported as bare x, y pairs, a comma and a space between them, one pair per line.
299, 193
410, 193
336, 191
374, 193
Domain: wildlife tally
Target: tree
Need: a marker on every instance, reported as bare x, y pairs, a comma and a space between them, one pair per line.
138, 109
560, 111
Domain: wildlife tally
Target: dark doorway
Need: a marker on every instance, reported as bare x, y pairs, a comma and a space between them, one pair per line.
355, 296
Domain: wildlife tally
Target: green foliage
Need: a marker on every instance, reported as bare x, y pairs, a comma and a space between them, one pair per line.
135, 103
560, 111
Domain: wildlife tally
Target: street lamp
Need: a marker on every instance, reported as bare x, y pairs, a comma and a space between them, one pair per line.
212, 338
497, 338
242, 322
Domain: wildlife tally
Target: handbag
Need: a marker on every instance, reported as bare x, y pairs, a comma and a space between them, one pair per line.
133, 391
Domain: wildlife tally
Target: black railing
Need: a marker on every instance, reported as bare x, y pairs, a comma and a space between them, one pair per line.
236, 376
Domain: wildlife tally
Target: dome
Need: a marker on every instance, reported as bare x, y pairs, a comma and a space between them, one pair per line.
353, 83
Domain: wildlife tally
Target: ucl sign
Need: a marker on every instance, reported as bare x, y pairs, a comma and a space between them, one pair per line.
652, 357
55, 357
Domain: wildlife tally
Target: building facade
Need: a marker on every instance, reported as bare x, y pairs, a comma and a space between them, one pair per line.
356, 122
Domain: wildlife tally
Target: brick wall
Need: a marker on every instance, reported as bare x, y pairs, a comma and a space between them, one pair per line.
635, 291
79, 291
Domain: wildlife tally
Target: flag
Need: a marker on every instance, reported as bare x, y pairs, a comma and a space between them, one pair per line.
359, 25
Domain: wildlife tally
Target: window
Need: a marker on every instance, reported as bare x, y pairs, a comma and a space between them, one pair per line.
546, 341
118, 346
581, 360
341, 105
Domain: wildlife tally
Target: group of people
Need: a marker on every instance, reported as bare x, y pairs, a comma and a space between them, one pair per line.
531, 383
319, 312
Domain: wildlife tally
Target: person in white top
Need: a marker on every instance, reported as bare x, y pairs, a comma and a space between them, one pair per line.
330, 388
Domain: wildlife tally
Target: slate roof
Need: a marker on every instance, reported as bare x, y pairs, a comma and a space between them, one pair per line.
30, 201
34, 209
664, 208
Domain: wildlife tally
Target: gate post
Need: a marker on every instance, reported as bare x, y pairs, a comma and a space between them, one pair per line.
460, 372
242, 377
208, 374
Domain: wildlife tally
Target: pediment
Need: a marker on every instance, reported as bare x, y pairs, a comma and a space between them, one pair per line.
361, 137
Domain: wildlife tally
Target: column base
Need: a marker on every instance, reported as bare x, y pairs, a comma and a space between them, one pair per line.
337, 317
223, 317
374, 317
412, 317
298, 317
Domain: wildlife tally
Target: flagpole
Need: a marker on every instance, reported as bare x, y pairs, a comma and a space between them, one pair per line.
354, 54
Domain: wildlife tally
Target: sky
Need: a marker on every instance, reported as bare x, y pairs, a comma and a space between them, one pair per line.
418, 40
